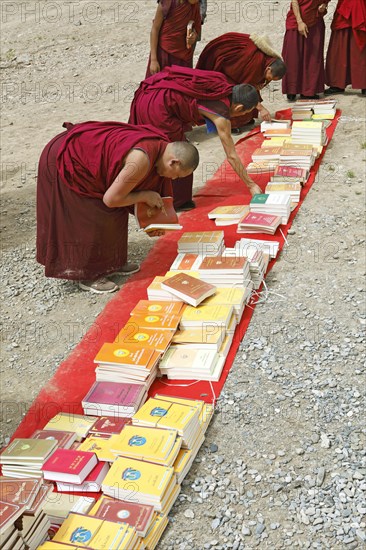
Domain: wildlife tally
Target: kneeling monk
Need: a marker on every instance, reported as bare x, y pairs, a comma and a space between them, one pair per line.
244, 58
88, 179
178, 98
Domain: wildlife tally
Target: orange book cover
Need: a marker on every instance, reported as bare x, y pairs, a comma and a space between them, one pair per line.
124, 354
223, 262
156, 321
148, 215
188, 287
195, 237
152, 338
151, 307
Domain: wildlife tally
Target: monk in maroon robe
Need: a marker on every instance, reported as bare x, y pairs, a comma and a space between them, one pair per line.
239, 57
346, 56
170, 41
178, 98
88, 179
303, 48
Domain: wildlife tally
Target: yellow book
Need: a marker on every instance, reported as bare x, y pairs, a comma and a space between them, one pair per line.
130, 479
207, 314
100, 446
72, 423
162, 414
88, 531
328, 116
206, 410
208, 336
155, 531
310, 124
170, 274
152, 307
145, 443
183, 458
226, 296
51, 545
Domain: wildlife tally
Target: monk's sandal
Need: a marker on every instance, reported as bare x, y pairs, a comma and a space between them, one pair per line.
100, 286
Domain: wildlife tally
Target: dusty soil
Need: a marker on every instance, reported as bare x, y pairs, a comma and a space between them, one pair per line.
76, 61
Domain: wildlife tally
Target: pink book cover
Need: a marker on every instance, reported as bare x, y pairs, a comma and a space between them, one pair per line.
290, 171
266, 220
113, 393
68, 461
109, 425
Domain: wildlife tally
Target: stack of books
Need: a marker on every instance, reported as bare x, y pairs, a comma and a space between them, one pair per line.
259, 223
127, 363
206, 410
151, 484
269, 248
234, 296
184, 363
290, 174
323, 109
228, 215
148, 444
205, 243
24, 458
107, 426
277, 204
302, 110
60, 505
101, 446
92, 482
275, 124
64, 439
155, 339
76, 423
156, 292
69, 466
162, 414
309, 132
285, 187
301, 158
96, 532
114, 399
206, 337
266, 156
23, 521
256, 260
224, 271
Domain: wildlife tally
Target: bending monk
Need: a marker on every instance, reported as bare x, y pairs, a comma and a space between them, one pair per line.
170, 41
346, 56
88, 179
303, 48
244, 58
178, 98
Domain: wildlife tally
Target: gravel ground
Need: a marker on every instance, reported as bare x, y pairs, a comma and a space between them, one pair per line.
283, 464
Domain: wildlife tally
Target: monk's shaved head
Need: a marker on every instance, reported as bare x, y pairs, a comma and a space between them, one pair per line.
278, 68
246, 95
187, 154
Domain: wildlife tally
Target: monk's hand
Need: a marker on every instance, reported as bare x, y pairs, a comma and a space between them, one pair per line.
156, 233
303, 29
191, 39
254, 188
154, 67
322, 9
265, 114
153, 199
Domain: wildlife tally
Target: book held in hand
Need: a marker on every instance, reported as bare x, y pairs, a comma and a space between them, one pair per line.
151, 218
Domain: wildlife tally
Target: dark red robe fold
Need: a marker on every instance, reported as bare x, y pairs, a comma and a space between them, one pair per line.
236, 56
170, 100
78, 236
346, 55
172, 48
304, 56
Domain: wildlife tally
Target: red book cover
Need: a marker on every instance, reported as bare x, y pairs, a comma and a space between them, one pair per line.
109, 425
290, 172
189, 286
120, 511
19, 491
9, 513
69, 464
187, 262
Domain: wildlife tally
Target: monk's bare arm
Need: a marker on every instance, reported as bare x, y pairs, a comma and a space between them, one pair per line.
154, 39
121, 193
301, 26
223, 127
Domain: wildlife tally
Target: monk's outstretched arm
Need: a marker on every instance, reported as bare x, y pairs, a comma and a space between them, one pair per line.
154, 39
301, 26
223, 127
121, 193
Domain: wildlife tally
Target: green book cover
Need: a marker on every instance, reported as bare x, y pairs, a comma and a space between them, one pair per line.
259, 199
27, 449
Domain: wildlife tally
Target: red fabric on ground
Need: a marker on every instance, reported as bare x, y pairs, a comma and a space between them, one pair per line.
304, 61
76, 375
345, 64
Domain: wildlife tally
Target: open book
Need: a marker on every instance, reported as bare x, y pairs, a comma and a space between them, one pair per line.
151, 218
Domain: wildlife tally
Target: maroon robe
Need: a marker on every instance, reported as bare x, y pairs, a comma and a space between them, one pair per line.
304, 56
346, 55
78, 236
236, 56
171, 100
172, 47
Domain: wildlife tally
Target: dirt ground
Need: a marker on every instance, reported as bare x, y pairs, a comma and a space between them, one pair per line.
82, 60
